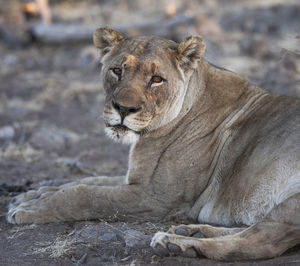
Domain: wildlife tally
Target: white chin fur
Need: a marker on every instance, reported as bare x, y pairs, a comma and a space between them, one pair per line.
126, 137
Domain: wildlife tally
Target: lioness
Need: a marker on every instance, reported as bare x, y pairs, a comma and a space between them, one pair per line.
205, 145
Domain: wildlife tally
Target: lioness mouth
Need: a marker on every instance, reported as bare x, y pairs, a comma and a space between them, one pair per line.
121, 127
125, 128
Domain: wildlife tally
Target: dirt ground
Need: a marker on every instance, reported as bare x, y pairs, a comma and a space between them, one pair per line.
51, 128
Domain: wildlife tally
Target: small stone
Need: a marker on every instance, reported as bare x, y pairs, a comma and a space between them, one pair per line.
108, 236
7, 133
52, 138
87, 233
134, 238
161, 251
96, 233
10, 60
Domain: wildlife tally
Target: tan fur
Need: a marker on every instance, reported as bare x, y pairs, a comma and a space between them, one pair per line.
206, 145
131, 60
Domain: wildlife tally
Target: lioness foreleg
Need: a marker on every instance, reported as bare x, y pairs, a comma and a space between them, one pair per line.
80, 202
92, 181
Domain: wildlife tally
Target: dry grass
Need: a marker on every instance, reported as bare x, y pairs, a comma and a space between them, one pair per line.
25, 152
59, 248
19, 230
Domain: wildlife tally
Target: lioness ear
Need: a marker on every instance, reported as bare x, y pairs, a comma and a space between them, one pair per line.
190, 51
105, 39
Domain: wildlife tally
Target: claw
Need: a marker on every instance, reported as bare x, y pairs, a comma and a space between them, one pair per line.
13, 200
38, 196
11, 215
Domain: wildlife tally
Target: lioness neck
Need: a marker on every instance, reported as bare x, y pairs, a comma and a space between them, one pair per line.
224, 91
213, 94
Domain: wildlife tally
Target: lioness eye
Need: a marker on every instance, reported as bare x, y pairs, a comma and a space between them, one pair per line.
117, 70
156, 79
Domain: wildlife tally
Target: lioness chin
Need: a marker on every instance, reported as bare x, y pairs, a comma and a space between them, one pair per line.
206, 145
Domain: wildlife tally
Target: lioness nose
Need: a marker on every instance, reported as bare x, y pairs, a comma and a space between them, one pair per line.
124, 110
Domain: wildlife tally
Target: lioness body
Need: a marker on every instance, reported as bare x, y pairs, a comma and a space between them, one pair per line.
206, 145
232, 169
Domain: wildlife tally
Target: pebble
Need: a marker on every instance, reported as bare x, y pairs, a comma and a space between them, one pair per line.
131, 237
94, 233
134, 238
107, 236
7, 133
10, 60
52, 138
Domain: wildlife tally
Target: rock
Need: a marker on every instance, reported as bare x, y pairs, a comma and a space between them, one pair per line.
52, 138
107, 236
255, 45
7, 133
100, 233
18, 107
87, 233
10, 60
97, 233
134, 238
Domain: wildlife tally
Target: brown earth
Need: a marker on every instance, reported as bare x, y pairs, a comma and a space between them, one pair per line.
51, 128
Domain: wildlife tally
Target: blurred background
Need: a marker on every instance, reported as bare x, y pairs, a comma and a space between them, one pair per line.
50, 97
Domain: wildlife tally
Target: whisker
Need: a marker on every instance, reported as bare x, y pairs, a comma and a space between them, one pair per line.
143, 132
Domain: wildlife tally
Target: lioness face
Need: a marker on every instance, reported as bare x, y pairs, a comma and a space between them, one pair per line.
144, 81
141, 94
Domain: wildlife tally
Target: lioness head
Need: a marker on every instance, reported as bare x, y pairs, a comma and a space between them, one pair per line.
144, 79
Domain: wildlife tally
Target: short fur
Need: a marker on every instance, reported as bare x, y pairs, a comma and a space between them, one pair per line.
206, 145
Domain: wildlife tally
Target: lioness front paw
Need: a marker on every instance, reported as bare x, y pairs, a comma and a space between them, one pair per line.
164, 245
23, 216
32, 207
30, 195
23, 197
